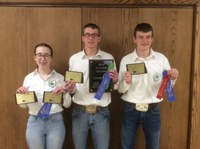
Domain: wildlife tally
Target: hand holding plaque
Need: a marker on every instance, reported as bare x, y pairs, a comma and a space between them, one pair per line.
48, 97
136, 68
29, 97
77, 77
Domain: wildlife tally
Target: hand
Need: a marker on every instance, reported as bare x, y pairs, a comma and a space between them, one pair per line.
127, 77
173, 73
70, 86
22, 89
58, 89
113, 75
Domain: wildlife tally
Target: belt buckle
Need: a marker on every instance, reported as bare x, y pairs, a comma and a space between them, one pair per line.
143, 107
91, 109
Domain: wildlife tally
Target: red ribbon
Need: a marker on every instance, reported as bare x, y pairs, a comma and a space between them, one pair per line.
162, 87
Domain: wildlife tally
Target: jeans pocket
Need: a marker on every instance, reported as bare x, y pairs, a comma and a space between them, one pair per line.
105, 112
32, 118
155, 110
76, 112
128, 108
56, 117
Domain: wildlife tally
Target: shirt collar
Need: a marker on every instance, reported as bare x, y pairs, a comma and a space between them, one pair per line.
98, 55
37, 73
136, 57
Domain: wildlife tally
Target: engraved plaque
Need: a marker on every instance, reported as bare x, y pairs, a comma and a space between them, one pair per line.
29, 97
77, 77
97, 68
136, 68
48, 97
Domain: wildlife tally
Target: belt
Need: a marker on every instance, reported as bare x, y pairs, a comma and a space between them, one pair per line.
91, 109
142, 107
50, 116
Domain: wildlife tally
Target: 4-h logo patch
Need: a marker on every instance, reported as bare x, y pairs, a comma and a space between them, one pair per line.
157, 76
52, 83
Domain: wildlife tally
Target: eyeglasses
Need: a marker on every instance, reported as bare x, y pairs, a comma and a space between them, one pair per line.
46, 56
94, 35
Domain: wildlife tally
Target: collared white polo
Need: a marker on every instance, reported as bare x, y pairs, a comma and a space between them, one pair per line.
144, 87
34, 82
80, 62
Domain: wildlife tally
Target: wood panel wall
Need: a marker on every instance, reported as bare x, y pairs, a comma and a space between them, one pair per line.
59, 23
13, 49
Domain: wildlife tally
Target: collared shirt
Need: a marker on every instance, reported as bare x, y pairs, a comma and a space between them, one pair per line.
144, 87
34, 82
80, 62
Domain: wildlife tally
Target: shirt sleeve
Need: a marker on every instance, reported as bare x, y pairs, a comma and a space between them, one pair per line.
122, 86
67, 100
23, 106
66, 97
117, 83
26, 85
167, 67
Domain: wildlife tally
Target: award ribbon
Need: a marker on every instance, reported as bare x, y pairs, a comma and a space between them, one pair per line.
45, 110
104, 83
163, 85
167, 87
170, 92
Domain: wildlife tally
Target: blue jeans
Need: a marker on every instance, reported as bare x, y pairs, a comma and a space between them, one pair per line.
98, 123
150, 122
45, 133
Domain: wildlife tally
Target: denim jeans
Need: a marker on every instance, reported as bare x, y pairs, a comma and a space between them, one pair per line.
150, 122
45, 133
98, 123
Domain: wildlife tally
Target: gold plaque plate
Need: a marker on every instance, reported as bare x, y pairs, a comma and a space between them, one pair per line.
29, 97
137, 68
77, 77
48, 97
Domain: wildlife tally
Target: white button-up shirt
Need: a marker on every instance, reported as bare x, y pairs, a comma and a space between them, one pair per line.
80, 62
144, 87
34, 82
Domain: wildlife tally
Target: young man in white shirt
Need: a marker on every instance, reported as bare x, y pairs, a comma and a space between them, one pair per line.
82, 120
140, 90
